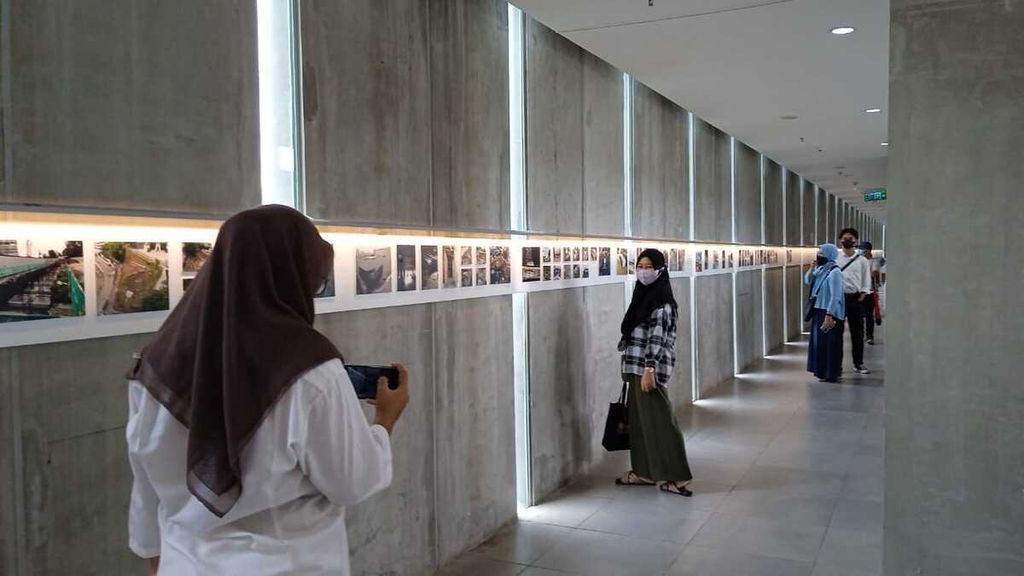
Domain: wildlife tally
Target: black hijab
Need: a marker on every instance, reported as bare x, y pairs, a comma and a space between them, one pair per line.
647, 299
237, 341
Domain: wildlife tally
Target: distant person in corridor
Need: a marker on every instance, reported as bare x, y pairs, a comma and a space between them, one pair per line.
648, 355
245, 436
825, 354
871, 314
856, 288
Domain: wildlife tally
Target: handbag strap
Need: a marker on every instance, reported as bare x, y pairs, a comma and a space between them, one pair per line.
817, 288
622, 397
852, 260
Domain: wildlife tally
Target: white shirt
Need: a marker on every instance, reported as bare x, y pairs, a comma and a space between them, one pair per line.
314, 454
857, 277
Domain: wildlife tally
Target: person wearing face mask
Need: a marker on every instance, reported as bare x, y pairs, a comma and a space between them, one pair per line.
657, 451
825, 353
856, 288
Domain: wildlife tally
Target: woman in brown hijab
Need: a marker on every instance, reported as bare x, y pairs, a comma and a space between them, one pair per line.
245, 435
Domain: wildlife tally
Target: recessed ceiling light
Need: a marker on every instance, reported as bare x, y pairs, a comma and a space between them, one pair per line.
873, 110
885, 143
843, 30
789, 117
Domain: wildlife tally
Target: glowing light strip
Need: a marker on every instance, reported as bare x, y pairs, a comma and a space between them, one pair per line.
691, 150
279, 161
627, 154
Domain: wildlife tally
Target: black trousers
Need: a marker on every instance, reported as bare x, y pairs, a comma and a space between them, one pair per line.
869, 316
855, 319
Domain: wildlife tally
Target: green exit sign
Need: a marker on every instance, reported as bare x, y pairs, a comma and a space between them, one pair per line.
876, 195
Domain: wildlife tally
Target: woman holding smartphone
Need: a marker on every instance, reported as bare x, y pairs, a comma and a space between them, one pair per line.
825, 353
648, 343
245, 436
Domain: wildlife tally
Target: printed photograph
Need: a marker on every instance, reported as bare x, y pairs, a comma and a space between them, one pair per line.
531, 256
481, 256
481, 276
585, 254
428, 264
501, 265
328, 290
556, 254
467, 255
41, 279
193, 257
131, 277
448, 268
467, 278
406, 273
673, 260
546, 255
575, 254
575, 270
604, 263
586, 272
632, 260
593, 253
732, 260
556, 273
531, 274
621, 262
567, 271
547, 273
682, 260
698, 266
373, 270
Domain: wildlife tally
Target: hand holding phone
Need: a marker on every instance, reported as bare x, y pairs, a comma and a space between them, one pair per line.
367, 379
390, 390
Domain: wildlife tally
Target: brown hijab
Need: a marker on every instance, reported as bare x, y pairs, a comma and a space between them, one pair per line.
237, 341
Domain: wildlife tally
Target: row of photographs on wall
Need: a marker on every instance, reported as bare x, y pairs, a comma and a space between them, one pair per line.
41, 279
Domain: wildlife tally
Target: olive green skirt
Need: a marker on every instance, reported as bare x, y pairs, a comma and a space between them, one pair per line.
656, 444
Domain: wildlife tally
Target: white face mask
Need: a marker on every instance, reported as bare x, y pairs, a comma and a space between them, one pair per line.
647, 276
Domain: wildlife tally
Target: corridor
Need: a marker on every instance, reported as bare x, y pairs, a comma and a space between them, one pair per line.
788, 482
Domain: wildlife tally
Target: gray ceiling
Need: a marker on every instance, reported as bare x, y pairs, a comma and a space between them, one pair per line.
743, 64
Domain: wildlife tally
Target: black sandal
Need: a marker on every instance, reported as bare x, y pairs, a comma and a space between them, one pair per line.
632, 479
675, 488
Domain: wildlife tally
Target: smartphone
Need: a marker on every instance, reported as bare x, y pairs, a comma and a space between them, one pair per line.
364, 379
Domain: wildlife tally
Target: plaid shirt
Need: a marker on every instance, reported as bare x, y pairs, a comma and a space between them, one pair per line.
652, 343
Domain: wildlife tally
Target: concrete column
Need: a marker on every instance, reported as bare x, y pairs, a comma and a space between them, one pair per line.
955, 407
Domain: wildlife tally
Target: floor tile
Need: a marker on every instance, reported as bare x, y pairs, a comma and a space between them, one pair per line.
863, 515
523, 542
473, 565
747, 535
852, 550
569, 511
698, 561
669, 522
600, 554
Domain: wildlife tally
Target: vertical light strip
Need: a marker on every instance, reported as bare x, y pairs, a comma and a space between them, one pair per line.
517, 117
800, 196
692, 152
732, 204
520, 301
785, 242
764, 274
521, 363
627, 154
279, 160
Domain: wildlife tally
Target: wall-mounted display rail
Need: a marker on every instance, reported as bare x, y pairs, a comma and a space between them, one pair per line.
98, 277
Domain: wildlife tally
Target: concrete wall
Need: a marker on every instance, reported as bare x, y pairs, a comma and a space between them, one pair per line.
793, 196
661, 189
810, 198
833, 219
749, 319
406, 107
821, 228
794, 303
773, 311
574, 374
574, 130
773, 214
108, 108
714, 300
713, 195
748, 194
954, 408
680, 389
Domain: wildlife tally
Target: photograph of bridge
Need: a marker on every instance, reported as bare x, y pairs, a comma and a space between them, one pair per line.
41, 279
131, 277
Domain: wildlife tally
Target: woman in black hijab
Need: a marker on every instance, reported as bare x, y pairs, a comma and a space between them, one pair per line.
244, 433
648, 355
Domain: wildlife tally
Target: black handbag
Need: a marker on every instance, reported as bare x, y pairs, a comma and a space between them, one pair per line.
616, 427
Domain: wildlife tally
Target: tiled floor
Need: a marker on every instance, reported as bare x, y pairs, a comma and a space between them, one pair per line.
789, 480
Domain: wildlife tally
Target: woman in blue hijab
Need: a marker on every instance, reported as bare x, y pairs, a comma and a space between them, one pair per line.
828, 311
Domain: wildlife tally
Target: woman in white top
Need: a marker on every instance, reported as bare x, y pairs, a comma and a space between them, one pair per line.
245, 435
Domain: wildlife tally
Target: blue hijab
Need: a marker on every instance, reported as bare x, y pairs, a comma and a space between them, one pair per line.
831, 252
